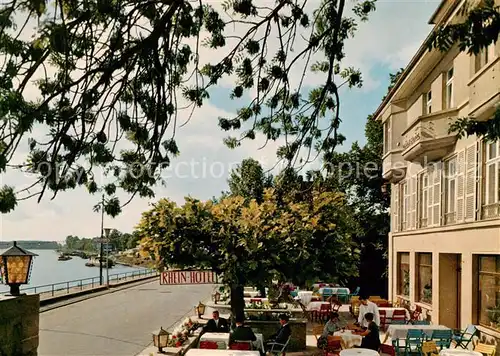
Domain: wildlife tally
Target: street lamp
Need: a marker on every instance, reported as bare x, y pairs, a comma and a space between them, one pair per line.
160, 339
200, 310
216, 297
16, 267
107, 231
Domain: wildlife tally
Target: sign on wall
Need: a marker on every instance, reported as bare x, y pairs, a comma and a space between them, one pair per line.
188, 277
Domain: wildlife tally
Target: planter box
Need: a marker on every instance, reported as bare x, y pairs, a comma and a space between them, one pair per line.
268, 328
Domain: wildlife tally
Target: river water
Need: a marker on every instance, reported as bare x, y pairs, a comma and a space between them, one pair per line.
48, 270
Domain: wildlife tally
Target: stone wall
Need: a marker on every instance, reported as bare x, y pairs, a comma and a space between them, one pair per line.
19, 319
268, 328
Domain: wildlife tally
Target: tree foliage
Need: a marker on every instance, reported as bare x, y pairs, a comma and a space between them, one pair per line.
479, 29
254, 243
248, 180
106, 82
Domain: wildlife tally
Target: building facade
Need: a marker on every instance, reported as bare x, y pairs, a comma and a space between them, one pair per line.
444, 245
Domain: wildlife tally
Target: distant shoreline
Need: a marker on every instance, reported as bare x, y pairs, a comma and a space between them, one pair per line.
31, 245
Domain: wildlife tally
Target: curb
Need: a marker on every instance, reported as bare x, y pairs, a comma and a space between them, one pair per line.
73, 298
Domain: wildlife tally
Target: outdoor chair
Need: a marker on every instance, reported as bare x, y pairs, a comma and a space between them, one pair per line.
343, 295
415, 315
488, 350
212, 345
356, 292
323, 312
383, 304
398, 317
464, 338
442, 338
241, 345
277, 348
429, 348
420, 322
387, 349
383, 320
411, 345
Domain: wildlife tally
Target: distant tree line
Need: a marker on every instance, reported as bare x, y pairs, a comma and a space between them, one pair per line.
31, 245
118, 240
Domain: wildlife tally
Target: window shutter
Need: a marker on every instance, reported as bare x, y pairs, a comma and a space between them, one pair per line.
436, 204
470, 183
413, 203
395, 207
460, 185
430, 195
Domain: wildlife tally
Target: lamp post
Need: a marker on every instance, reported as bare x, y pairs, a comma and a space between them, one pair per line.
160, 339
102, 237
15, 267
107, 231
200, 310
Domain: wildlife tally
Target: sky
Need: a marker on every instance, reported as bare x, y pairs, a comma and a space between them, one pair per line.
381, 46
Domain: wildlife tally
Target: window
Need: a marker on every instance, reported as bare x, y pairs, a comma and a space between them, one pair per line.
404, 274
481, 59
491, 189
428, 102
387, 136
450, 191
489, 291
405, 216
424, 278
424, 200
448, 92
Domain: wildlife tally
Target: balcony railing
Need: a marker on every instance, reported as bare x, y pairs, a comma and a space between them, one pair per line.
491, 211
428, 139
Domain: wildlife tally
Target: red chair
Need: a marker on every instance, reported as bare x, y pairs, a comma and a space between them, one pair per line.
323, 312
212, 345
383, 319
398, 317
333, 347
387, 349
416, 314
241, 345
256, 300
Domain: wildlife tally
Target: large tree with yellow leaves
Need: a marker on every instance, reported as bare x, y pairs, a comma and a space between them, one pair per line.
254, 243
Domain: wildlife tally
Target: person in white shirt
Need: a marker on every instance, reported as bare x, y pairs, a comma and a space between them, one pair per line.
367, 307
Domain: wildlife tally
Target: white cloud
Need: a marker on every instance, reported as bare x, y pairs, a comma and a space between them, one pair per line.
389, 38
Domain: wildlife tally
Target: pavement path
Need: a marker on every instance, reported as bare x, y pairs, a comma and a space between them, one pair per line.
119, 323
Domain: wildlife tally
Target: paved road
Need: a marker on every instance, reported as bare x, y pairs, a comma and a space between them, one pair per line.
119, 323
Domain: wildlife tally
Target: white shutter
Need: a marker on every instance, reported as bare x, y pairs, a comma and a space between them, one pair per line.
470, 183
460, 186
395, 207
430, 195
436, 199
413, 202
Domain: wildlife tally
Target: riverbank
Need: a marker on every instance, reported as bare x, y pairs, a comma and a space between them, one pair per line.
134, 261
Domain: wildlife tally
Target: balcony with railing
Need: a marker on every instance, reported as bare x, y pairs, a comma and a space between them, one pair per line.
428, 139
393, 166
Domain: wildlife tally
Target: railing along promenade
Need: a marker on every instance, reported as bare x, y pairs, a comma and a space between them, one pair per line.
57, 289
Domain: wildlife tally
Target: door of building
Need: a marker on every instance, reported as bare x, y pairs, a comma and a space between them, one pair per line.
450, 282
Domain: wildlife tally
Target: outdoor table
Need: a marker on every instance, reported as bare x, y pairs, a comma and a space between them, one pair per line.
251, 294
335, 290
400, 331
458, 352
259, 343
316, 306
305, 296
358, 352
263, 300
349, 339
390, 311
222, 339
207, 352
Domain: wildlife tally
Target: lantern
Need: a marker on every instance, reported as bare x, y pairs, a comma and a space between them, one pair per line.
200, 309
384, 188
16, 267
216, 297
160, 339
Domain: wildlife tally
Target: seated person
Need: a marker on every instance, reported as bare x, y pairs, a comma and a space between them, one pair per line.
371, 336
242, 332
332, 325
283, 333
216, 324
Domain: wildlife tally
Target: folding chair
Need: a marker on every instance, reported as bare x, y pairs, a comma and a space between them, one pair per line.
212, 345
442, 338
412, 343
277, 348
429, 348
464, 338
241, 345
488, 350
